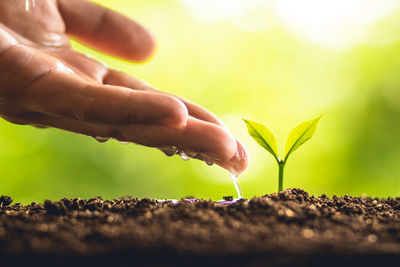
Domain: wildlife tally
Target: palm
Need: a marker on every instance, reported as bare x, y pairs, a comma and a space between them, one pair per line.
44, 30
46, 83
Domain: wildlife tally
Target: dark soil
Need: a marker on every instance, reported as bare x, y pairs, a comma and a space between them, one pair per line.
291, 228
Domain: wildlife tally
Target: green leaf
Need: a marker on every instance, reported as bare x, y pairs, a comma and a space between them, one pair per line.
299, 135
263, 136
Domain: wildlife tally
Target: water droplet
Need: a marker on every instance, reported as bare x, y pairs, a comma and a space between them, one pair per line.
209, 162
170, 152
101, 139
237, 185
124, 142
184, 156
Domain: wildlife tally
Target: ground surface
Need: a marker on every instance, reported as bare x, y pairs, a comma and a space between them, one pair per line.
291, 228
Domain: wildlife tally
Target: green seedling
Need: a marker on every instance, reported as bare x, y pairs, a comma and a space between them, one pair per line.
265, 138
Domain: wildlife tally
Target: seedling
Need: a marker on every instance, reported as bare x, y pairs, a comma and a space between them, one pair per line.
265, 138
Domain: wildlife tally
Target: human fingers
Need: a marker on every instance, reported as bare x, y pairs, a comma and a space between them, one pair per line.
106, 30
65, 95
197, 137
37, 82
119, 78
239, 162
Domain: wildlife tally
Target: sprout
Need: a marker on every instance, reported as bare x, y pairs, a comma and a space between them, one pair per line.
299, 135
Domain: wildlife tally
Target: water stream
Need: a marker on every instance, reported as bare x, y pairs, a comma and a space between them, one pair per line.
237, 185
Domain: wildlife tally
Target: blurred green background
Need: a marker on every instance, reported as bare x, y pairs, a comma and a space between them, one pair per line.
276, 62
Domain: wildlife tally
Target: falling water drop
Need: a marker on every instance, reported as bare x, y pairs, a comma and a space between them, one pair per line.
237, 186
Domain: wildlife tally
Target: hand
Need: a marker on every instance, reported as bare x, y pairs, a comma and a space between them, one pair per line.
44, 83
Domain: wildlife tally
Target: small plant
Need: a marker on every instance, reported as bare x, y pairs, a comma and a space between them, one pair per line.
265, 138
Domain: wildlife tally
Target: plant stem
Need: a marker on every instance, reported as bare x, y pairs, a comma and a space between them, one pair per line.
281, 168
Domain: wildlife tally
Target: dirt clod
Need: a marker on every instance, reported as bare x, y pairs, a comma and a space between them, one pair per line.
5, 201
228, 198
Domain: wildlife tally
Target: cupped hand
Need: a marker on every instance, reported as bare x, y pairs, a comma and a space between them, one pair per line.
44, 83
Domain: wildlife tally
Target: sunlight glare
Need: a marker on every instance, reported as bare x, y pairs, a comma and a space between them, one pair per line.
334, 23
249, 15
337, 24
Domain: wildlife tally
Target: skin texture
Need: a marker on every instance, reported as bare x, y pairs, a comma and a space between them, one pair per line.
44, 83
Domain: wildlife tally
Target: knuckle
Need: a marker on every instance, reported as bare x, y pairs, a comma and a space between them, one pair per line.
101, 21
177, 113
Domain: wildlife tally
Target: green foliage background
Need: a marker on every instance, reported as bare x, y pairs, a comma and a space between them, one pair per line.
269, 76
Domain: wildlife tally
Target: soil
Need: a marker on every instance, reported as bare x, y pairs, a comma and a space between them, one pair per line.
290, 228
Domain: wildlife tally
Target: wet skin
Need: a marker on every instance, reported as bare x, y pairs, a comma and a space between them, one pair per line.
44, 83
